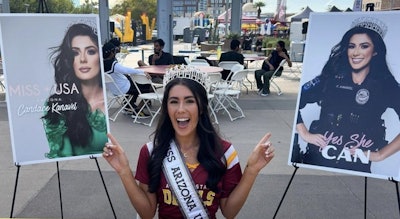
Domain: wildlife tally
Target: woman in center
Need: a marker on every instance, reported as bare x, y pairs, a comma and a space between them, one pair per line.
188, 171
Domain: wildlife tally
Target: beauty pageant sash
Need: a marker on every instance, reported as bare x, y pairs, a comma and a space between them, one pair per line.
182, 185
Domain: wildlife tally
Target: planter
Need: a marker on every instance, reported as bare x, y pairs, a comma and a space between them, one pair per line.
205, 46
227, 44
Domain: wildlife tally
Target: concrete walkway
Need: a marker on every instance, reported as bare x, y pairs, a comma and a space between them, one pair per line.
312, 194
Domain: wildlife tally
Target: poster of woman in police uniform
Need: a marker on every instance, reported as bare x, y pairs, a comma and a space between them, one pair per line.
349, 103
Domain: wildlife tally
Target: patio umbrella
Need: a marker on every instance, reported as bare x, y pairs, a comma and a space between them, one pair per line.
245, 19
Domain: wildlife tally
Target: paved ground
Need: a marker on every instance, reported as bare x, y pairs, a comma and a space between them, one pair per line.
312, 194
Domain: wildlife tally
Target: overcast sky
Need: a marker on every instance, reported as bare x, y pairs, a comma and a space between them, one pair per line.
294, 6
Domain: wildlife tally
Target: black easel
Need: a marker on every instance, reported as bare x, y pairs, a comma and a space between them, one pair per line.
397, 191
287, 188
365, 197
365, 192
15, 189
104, 185
59, 188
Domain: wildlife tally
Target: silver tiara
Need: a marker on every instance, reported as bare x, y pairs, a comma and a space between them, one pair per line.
90, 22
372, 24
188, 72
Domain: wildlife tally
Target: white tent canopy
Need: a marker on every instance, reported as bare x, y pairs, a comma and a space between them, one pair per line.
299, 16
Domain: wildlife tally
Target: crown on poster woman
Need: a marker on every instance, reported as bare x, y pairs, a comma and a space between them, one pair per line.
372, 24
89, 22
188, 72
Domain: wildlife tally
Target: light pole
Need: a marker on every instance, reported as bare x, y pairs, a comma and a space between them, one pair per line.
227, 16
26, 7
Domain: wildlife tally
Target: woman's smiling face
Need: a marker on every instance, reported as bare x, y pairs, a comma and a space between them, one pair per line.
360, 51
86, 58
183, 111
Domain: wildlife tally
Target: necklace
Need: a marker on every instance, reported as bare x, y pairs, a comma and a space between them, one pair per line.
192, 166
187, 153
189, 165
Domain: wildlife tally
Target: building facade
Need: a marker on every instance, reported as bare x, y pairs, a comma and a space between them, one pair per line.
388, 5
382, 5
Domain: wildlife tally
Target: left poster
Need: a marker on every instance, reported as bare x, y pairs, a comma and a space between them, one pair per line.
54, 86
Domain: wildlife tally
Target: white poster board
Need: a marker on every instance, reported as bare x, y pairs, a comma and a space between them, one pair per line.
76, 125
349, 120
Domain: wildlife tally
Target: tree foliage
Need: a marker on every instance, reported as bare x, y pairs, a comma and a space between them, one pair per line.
32, 6
259, 5
88, 7
53, 6
137, 8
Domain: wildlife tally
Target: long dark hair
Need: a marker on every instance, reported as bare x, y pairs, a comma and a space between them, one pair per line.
210, 151
282, 45
62, 58
338, 59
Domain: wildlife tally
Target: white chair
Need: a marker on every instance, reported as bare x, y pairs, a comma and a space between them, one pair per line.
199, 64
275, 75
214, 79
227, 65
223, 84
196, 61
187, 60
296, 69
235, 68
2, 82
212, 57
237, 82
147, 98
121, 57
225, 98
122, 100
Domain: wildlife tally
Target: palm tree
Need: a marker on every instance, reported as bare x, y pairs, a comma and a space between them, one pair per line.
259, 5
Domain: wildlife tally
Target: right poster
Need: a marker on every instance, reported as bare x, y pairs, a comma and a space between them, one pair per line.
348, 106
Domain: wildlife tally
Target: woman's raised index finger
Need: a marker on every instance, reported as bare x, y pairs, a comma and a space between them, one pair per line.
113, 140
265, 138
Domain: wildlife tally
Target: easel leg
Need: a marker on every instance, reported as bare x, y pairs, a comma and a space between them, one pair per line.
15, 190
287, 188
105, 187
397, 192
365, 197
59, 190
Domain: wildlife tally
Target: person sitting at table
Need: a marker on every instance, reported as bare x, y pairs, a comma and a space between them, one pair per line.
158, 58
247, 41
269, 65
233, 55
258, 43
117, 44
121, 75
